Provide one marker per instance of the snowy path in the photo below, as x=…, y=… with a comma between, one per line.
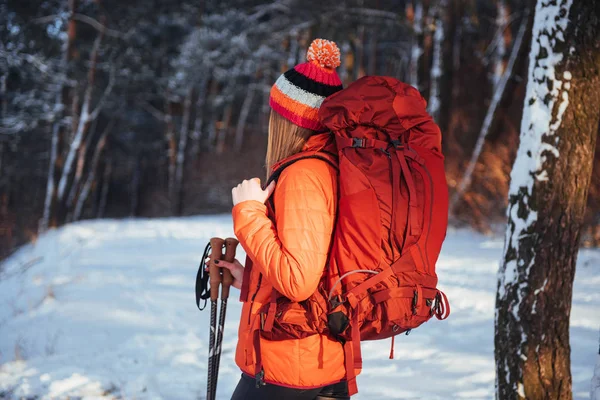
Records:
x=108, y=312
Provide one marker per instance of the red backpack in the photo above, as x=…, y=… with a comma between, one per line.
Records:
x=391, y=221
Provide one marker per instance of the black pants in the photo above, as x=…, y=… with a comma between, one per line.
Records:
x=246, y=390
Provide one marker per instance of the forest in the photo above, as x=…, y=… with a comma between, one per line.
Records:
x=125, y=113
x=110, y=111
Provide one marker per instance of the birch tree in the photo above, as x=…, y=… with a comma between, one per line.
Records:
x=436, y=66
x=547, y=198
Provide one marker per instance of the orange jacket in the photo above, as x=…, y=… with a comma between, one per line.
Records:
x=291, y=256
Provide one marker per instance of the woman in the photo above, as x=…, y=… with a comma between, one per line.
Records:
x=289, y=250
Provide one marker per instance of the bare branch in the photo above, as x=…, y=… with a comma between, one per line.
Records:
x=156, y=113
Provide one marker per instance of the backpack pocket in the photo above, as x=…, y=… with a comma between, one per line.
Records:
x=293, y=320
x=398, y=310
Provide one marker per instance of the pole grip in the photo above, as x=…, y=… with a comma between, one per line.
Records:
x=230, y=247
x=216, y=244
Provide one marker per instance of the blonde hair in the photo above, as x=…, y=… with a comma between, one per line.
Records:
x=285, y=139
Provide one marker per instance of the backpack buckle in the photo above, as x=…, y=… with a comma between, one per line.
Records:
x=260, y=378
x=335, y=302
x=358, y=142
x=398, y=145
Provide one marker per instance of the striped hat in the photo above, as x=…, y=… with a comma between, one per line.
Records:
x=298, y=93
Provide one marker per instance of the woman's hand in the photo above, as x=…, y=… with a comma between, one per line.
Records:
x=251, y=190
x=237, y=270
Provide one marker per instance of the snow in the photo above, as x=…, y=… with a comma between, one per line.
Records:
x=106, y=309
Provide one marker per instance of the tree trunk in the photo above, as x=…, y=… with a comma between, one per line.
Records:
x=135, y=186
x=84, y=120
x=81, y=162
x=85, y=191
x=360, y=52
x=181, y=150
x=224, y=129
x=199, y=118
x=436, y=70
x=171, y=155
x=50, y=200
x=105, y=188
x=595, y=392
x=416, y=47
x=241, y=125
x=547, y=198
x=500, y=42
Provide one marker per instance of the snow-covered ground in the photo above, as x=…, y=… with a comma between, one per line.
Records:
x=106, y=310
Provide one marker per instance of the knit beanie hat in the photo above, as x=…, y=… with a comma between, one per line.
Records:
x=299, y=92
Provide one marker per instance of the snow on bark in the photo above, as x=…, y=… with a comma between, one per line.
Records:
x=544, y=91
x=489, y=117
x=546, y=100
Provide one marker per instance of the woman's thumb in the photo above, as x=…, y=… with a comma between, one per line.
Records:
x=224, y=264
x=270, y=189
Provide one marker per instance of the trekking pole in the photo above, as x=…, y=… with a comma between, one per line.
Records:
x=214, y=272
x=226, y=282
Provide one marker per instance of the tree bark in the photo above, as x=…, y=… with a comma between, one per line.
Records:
x=547, y=199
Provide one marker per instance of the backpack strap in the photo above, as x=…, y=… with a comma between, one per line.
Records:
x=266, y=324
x=246, y=280
x=352, y=351
x=326, y=156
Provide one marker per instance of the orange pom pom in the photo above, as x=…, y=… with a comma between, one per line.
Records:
x=324, y=53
